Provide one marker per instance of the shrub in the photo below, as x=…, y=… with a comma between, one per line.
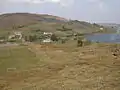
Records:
x=88, y=42
x=80, y=34
x=83, y=42
x=75, y=38
x=79, y=43
x=30, y=38
x=54, y=37
x=12, y=40
x=26, y=38
x=63, y=41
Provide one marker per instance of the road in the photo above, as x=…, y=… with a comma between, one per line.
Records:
x=8, y=44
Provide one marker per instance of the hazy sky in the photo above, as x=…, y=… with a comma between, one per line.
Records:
x=87, y=10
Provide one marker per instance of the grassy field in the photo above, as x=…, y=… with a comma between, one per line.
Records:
x=60, y=67
x=16, y=57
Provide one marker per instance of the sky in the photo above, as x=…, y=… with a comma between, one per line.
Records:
x=99, y=11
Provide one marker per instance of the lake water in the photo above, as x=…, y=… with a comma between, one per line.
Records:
x=108, y=38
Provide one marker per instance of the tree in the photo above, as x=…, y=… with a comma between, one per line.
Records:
x=63, y=41
x=32, y=38
x=79, y=43
x=54, y=37
x=26, y=38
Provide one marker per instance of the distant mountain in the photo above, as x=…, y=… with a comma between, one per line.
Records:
x=113, y=25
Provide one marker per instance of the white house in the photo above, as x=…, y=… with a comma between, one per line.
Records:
x=47, y=40
x=2, y=41
x=16, y=34
x=47, y=33
x=101, y=28
x=11, y=36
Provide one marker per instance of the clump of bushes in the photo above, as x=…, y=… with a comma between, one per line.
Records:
x=79, y=43
x=54, y=37
x=83, y=42
x=30, y=38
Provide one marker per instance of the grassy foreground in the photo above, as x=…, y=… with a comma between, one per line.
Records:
x=59, y=67
x=18, y=58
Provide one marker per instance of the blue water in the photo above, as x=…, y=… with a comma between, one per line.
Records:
x=108, y=38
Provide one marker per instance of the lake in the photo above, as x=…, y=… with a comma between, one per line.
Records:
x=108, y=38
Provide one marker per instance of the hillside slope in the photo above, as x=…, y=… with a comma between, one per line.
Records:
x=44, y=22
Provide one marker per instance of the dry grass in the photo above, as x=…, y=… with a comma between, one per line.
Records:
x=87, y=68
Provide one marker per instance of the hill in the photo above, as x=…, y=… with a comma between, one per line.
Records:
x=17, y=19
x=44, y=22
x=113, y=25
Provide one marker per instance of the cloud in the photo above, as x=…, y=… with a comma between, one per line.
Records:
x=93, y=0
x=60, y=2
x=34, y=1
